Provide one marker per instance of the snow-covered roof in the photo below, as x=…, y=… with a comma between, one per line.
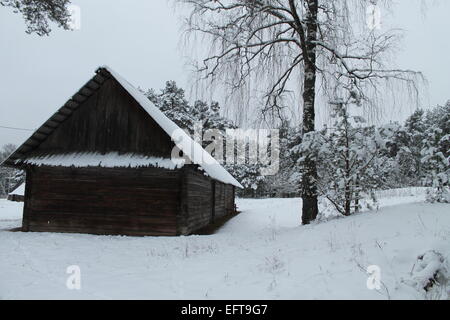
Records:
x=19, y=191
x=191, y=149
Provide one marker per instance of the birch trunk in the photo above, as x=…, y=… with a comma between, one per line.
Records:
x=309, y=181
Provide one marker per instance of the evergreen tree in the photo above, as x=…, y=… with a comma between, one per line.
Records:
x=349, y=156
x=38, y=13
x=436, y=154
x=171, y=100
x=286, y=182
x=409, y=141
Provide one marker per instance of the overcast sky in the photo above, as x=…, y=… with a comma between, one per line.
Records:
x=140, y=40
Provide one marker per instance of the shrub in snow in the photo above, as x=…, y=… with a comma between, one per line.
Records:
x=430, y=274
x=439, y=194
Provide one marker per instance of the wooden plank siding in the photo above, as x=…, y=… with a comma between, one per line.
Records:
x=199, y=200
x=219, y=200
x=207, y=200
x=123, y=201
x=134, y=202
x=224, y=200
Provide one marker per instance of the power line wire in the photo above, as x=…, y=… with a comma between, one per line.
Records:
x=13, y=128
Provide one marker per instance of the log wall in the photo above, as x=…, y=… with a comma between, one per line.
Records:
x=199, y=201
x=207, y=200
x=135, y=202
x=123, y=201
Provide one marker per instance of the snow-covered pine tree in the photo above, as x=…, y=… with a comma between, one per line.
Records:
x=39, y=15
x=249, y=175
x=172, y=101
x=287, y=181
x=409, y=142
x=436, y=154
x=349, y=157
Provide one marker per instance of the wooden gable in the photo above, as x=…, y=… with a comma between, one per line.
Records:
x=110, y=120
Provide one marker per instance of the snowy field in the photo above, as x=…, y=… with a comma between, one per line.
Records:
x=262, y=254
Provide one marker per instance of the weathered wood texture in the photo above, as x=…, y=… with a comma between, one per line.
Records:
x=123, y=201
x=133, y=202
x=223, y=203
x=110, y=120
x=199, y=200
x=207, y=200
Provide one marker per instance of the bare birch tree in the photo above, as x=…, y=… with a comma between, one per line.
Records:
x=277, y=43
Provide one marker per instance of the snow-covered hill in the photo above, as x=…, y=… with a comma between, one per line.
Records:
x=262, y=254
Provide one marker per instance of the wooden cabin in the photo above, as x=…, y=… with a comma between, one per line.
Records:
x=18, y=194
x=104, y=164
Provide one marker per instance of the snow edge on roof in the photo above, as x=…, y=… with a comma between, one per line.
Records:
x=107, y=160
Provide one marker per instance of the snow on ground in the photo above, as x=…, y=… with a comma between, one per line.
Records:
x=261, y=254
x=10, y=211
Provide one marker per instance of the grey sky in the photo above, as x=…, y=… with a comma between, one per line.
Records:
x=139, y=39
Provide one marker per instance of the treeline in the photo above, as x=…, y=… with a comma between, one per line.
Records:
x=9, y=178
x=354, y=159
